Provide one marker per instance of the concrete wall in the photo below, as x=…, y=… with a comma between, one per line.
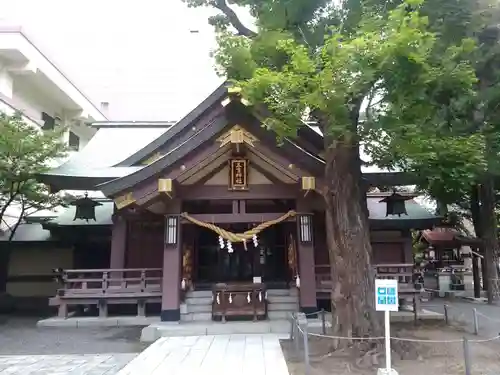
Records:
x=34, y=265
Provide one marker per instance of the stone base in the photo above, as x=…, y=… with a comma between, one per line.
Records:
x=383, y=371
x=83, y=322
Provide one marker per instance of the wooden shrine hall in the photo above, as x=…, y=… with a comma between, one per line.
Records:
x=213, y=205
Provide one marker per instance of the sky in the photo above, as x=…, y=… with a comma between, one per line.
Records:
x=140, y=56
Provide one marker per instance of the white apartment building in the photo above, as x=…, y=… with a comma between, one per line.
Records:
x=31, y=83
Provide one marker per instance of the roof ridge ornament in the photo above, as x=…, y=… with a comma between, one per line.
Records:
x=237, y=135
x=234, y=94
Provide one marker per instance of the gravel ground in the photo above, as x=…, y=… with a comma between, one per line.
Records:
x=444, y=357
x=26, y=349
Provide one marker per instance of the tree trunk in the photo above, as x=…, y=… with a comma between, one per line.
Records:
x=4, y=267
x=349, y=246
x=489, y=234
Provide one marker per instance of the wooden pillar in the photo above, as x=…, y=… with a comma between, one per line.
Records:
x=307, y=271
x=118, y=242
x=475, y=276
x=484, y=272
x=408, y=247
x=170, y=300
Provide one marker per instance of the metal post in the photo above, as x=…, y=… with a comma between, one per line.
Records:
x=476, y=323
x=323, y=322
x=446, y=314
x=306, y=349
x=292, y=326
x=387, y=318
x=296, y=336
x=466, y=357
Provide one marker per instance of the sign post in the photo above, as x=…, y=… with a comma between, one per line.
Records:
x=386, y=300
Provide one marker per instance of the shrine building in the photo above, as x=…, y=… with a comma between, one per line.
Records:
x=209, y=218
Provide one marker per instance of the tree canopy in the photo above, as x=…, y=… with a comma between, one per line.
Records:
x=368, y=73
x=26, y=151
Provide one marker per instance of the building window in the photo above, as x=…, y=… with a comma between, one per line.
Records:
x=74, y=141
x=49, y=122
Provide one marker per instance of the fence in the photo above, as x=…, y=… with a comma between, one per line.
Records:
x=426, y=348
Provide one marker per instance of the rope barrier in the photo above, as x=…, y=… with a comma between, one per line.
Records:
x=404, y=339
x=487, y=317
x=396, y=338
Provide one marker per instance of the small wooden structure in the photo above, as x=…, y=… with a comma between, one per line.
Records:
x=239, y=300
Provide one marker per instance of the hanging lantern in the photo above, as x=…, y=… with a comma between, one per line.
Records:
x=255, y=241
x=297, y=281
x=305, y=228
x=395, y=204
x=221, y=242
x=85, y=208
x=183, y=284
x=171, y=228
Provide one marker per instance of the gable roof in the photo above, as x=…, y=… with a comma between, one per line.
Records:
x=233, y=114
x=185, y=124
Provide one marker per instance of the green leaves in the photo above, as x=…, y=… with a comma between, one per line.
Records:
x=26, y=151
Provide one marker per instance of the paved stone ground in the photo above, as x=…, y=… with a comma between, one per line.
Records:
x=28, y=350
x=209, y=355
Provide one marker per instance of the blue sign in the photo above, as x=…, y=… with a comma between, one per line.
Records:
x=386, y=295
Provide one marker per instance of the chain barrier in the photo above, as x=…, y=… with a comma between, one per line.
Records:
x=301, y=335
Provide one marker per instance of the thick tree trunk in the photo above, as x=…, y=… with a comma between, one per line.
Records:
x=489, y=235
x=348, y=237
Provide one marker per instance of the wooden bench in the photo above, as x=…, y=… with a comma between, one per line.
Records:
x=102, y=287
x=239, y=300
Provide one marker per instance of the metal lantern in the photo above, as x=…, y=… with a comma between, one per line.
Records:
x=305, y=228
x=85, y=208
x=395, y=204
x=171, y=228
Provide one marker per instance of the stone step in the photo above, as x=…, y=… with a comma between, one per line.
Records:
x=199, y=300
x=282, y=299
x=199, y=308
x=282, y=307
x=199, y=294
x=278, y=315
x=282, y=292
x=196, y=317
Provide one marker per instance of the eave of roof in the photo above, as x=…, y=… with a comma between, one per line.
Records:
x=94, y=164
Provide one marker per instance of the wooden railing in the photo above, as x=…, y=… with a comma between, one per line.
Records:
x=110, y=281
x=108, y=286
x=403, y=272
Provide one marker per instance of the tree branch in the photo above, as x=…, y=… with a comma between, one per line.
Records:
x=233, y=19
x=18, y=222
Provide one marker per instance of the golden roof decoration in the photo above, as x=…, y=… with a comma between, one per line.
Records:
x=237, y=135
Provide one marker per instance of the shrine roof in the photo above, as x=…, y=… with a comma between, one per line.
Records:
x=103, y=216
x=418, y=216
x=28, y=233
x=95, y=163
x=448, y=237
